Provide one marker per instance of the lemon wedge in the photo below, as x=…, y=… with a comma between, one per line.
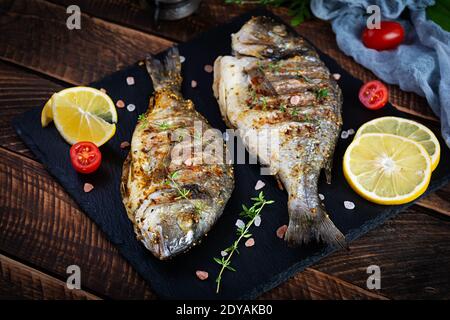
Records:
x=82, y=114
x=47, y=114
x=408, y=129
x=387, y=169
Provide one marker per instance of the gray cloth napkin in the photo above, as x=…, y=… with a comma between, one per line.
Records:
x=421, y=64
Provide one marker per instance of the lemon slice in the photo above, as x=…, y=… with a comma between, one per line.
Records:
x=386, y=168
x=84, y=114
x=408, y=129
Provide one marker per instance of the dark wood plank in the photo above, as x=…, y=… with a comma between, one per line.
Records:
x=130, y=13
x=315, y=285
x=20, y=91
x=19, y=281
x=438, y=201
x=213, y=12
x=412, y=251
x=41, y=224
x=34, y=34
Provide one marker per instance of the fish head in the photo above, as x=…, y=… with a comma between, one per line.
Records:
x=263, y=37
x=171, y=228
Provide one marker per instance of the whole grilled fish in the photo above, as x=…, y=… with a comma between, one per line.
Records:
x=276, y=82
x=174, y=184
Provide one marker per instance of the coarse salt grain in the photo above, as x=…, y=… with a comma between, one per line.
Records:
x=194, y=84
x=351, y=131
x=202, y=275
x=208, y=68
x=250, y=242
x=88, y=187
x=349, y=205
x=103, y=90
x=240, y=223
x=321, y=197
x=344, y=134
x=336, y=76
x=281, y=231
x=131, y=107
x=223, y=253
x=120, y=104
x=295, y=100
x=257, y=221
x=182, y=59
x=130, y=81
x=124, y=145
x=259, y=185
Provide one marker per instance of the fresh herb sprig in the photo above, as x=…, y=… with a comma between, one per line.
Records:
x=183, y=193
x=322, y=93
x=251, y=214
x=164, y=126
x=143, y=119
x=298, y=9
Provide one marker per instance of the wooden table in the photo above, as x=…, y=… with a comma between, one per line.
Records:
x=42, y=231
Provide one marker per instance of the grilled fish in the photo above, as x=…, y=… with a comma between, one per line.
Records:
x=174, y=183
x=276, y=81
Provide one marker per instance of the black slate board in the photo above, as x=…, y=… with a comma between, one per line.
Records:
x=261, y=267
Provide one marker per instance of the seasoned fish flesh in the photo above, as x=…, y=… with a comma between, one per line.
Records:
x=174, y=183
x=276, y=83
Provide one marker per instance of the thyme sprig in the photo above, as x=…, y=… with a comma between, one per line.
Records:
x=322, y=93
x=251, y=214
x=164, y=126
x=183, y=193
x=143, y=119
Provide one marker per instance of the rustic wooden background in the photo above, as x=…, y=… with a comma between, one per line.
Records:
x=42, y=231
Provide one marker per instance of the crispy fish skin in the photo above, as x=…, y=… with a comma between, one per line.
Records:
x=276, y=81
x=173, y=194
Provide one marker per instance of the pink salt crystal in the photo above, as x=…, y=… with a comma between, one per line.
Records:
x=281, y=231
x=120, y=104
x=88, y=187
x=295, y=100
x=209, y=68
x=250, y=242
x=202, y=275
x=124, y=145
x=130, y=81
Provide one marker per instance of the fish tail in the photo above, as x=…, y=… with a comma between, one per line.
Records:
x=165, y=74
x=312, y=224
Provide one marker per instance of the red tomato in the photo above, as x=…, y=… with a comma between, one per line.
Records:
x=85, y=157
x=373, y=95
x=389, y=36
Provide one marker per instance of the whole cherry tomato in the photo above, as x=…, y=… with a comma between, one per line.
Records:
x=389, y=36
x=85, y=157
x=373, y=95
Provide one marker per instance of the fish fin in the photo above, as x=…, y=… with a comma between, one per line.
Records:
x=303, y=227
x=165, y=74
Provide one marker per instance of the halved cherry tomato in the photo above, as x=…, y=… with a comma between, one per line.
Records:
x=85, y=157
x=389, y=36
x=373, y=95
